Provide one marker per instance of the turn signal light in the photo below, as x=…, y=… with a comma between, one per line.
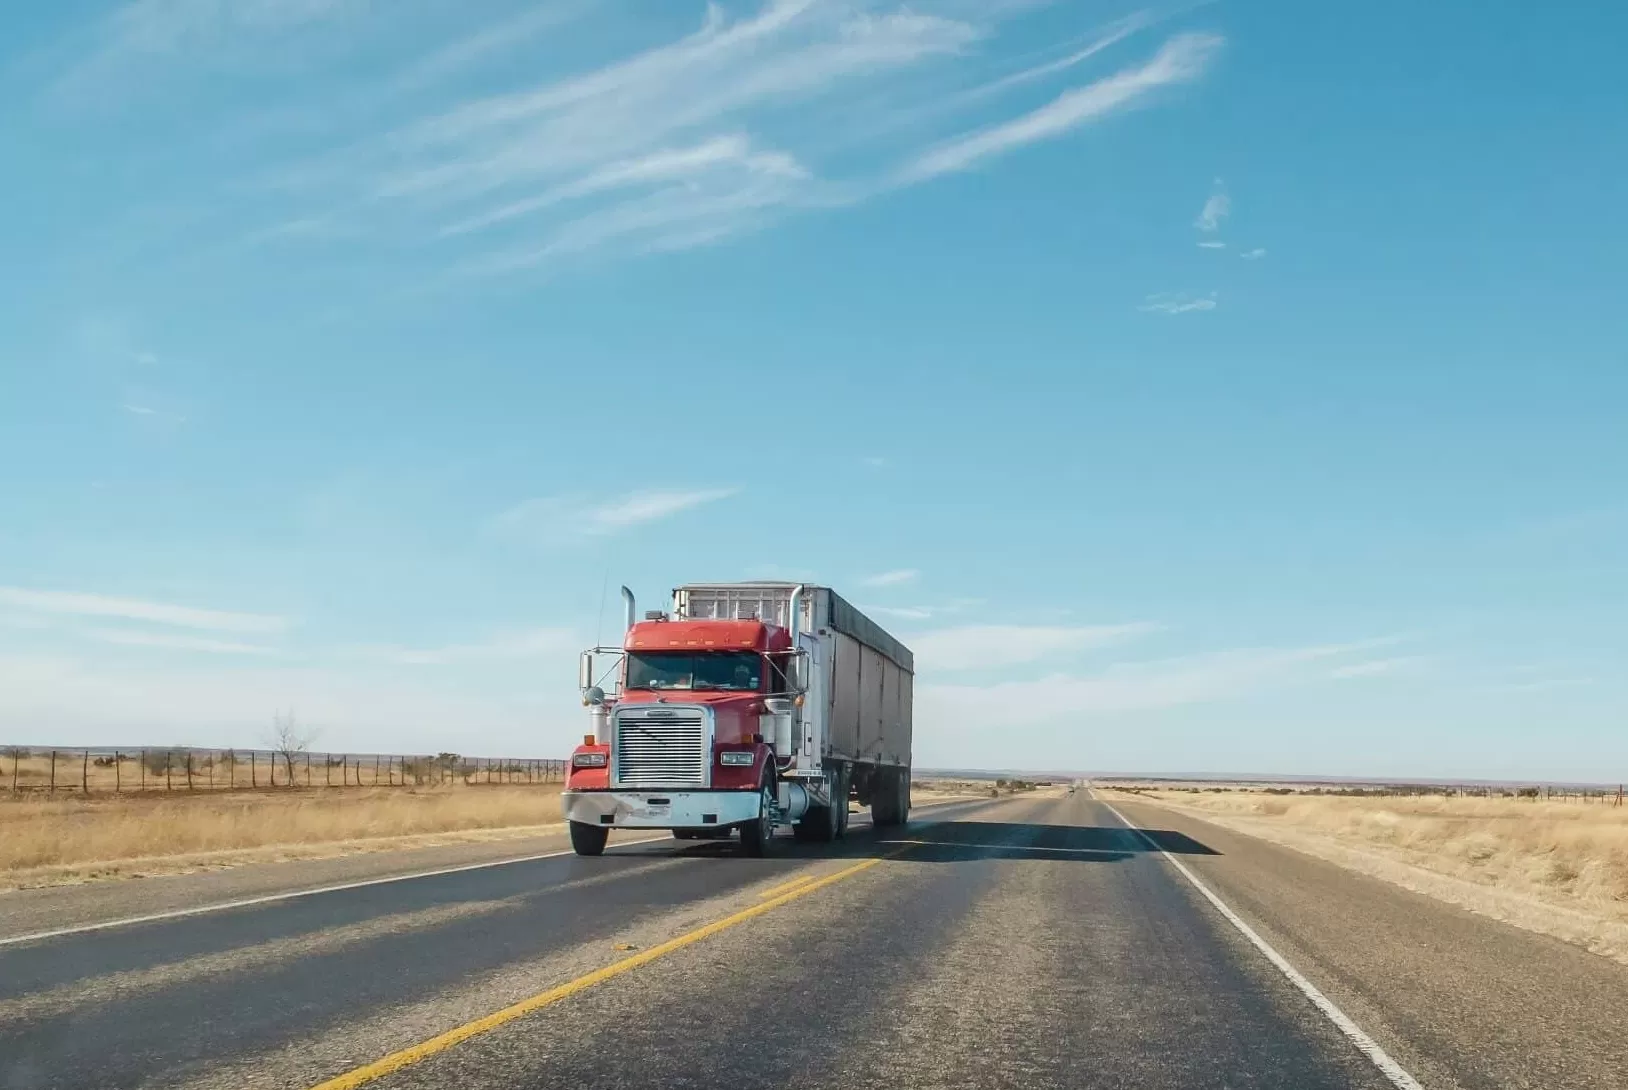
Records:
x=589, y=760
x=736, y=757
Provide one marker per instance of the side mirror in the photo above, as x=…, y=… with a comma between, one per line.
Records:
x=585, y=671
x=797, y=671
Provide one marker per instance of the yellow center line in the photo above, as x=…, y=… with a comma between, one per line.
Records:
x=406, y=1057
x=775, y=891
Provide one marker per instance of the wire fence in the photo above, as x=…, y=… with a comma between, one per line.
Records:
x=1603, y=794
x=58, y=770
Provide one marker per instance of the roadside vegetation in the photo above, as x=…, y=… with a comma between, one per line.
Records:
x=1555, y=866
x=53, y=839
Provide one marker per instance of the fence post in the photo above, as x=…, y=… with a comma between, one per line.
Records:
x=118, y=777
x=141, y=771
x=169, y=770
x=212, y=771
x=189, y=770
x=16, y=759
x=84, y=774
x=307, y=771
x=327, y=771
x=53, y=788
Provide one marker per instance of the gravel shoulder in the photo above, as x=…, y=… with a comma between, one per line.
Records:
x=1461, y=1000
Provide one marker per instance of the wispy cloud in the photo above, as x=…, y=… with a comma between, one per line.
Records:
x=139, y=410
x=1181, y=60
x=562, y=518
x=875, y=461
x=1254, y=255
x=1217, y=208
x=135, y=638
x=531, y=643
x=141, y=37
x=995, y=645
x=77, y=604
x=1377, y=667
x=1130, y=687
x=925, y=612
x=890, y=578
x=695, y=139
x=1212, y=244
x=482, y=44
x=1541, y=685
x=1177, y=303
x=903, y=613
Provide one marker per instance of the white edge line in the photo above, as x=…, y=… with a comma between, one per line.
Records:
x=1369, y=1047
x=272, y=898
x=290, y=895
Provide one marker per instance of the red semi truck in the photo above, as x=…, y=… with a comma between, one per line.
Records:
x=747, y=706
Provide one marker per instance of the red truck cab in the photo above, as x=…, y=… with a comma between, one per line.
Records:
x=687, y=742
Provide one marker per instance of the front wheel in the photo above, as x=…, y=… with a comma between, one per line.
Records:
x=588, y=839
x=756, y=835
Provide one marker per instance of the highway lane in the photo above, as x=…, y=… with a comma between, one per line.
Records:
x=1029, y=943
x=1459, y=999
x=1042, y=945
x=163, y=1002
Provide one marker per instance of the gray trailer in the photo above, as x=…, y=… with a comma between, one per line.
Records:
x=853, y=729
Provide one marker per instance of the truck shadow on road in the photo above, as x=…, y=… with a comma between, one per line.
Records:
x=962, y=841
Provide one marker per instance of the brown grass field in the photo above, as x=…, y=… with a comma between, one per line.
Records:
x=47, y=840
x=69, y=837
x=1556, y=867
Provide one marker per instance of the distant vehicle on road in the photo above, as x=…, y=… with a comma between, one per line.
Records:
x=747, y=707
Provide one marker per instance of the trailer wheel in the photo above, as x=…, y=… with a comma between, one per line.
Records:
x=588, y=839
x=844, y=783
x=756, y=835
x=890, y=799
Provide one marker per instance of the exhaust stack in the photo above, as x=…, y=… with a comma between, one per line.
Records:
x=629, y=608
x=794, y=613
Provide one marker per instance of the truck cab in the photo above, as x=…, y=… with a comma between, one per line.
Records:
x=708, y=727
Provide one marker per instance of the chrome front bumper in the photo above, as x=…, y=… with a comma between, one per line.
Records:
x=641, y=810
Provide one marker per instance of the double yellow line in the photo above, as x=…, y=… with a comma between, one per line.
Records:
x=773, y=898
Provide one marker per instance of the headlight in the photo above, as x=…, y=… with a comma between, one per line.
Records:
x=736, y=757
x=590, y=760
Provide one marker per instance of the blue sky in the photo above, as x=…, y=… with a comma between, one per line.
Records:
x=1225, y=387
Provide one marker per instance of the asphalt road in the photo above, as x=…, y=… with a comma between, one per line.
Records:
x=1028, y=943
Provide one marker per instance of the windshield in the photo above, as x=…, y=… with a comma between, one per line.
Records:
x=737, y=670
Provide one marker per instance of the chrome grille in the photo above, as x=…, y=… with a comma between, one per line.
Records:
x=662, y=747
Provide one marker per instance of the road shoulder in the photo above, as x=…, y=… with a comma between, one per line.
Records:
x=1460, y=1000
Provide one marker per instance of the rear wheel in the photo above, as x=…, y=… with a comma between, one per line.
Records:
x=588, y=839
x=890, y=798
x=844, y=783
x=756, y=835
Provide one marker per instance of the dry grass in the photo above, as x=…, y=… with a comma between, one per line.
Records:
x=55, y=839
x=1556, y=867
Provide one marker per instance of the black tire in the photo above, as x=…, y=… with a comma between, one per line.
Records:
x=844, y=783
x=811, y=829
x=685, y=834
x=757, y=835
x=588, y=839
x=890, y=799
